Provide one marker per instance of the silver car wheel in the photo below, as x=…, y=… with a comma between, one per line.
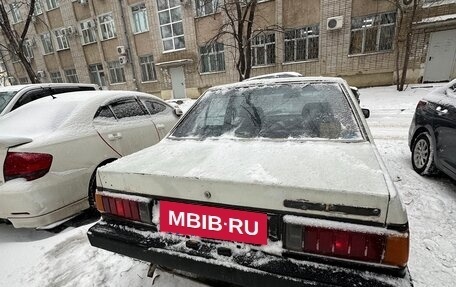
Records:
x=421, y=153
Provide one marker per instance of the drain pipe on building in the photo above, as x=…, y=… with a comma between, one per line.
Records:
x=127, y=38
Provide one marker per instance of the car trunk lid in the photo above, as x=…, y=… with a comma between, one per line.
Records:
x=321, y=178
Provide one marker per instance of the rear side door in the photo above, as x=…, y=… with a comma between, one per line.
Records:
x=126, y=126
x=162, y=115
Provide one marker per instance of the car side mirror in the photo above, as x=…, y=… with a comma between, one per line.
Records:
x=366, y=113
x=178, y=112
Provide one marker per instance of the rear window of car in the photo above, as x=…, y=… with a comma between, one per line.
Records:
x=285, y=111
x=5, y=98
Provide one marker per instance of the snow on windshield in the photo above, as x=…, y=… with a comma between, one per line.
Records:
x=312, y=110
x=5, y=98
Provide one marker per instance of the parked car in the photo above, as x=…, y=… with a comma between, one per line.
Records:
x=432, y=134
x=12, y=97
x=51, y=148
x=262, y=183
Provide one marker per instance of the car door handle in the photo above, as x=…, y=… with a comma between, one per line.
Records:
x=160, y=126
x=115, y=136
x=440, y=111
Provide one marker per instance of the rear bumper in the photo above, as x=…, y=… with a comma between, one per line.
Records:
x=30, y=204
x=245, y=267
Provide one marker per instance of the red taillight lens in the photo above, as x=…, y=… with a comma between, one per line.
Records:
x=344, y=244
x=26, y=165
x=134, y=207
x=389, y=248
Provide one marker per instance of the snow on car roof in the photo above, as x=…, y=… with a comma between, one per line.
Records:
x=20, y=87
x=275, y=75
x=69, y=110
x=270, y=81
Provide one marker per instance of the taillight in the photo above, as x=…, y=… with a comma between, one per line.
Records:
x=26, y=165
x=348, y=241
x=131, y=207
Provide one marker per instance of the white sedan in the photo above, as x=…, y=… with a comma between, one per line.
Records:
x=51, y=148
x=262, y=183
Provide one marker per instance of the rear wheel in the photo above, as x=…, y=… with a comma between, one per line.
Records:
x=92, y=189
x=423, y=154
x=93, y=184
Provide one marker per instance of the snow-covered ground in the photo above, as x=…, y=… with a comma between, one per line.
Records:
x=40, y=258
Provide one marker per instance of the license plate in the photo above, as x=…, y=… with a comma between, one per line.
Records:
x=213, y=222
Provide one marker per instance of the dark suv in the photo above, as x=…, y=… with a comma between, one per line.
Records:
x=432, y=134
x=12, y=97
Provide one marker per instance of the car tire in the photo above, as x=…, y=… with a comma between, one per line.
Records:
x=92, y=189
x=423, y=155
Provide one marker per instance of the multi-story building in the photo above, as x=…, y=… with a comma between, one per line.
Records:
x=159, y=46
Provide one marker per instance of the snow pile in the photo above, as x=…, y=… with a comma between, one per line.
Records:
x=39, y=258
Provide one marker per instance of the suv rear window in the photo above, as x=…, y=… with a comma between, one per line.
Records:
x=295, y=111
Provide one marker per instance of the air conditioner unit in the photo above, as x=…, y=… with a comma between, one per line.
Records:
x=83, y=2
x=335, y=23
x=121, y=50
x=41, y=74
x=406, y=3
x=123, y=60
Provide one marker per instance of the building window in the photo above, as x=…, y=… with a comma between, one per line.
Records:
x=107, y=27
x=38, y=8
x=52, y=4
x=97, y=75
x=28, y=48
x=302, y=44
x=62, y=40
x=71, y=76
x=56, y=77
x=139, y=17
x=147, y=68
x=171, y=27
x=212, y=58
x=88, y=34
x=205, y=7
x=374, y=33
x=15, y=12
x=47, y=43
x=24, y=80
x=263, y=50
x=116, y=72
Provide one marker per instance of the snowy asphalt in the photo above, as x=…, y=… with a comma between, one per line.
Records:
x=40, y=258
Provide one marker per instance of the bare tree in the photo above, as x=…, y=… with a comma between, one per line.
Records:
x=238, y=31
x=404, y=36
x=16, y=44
